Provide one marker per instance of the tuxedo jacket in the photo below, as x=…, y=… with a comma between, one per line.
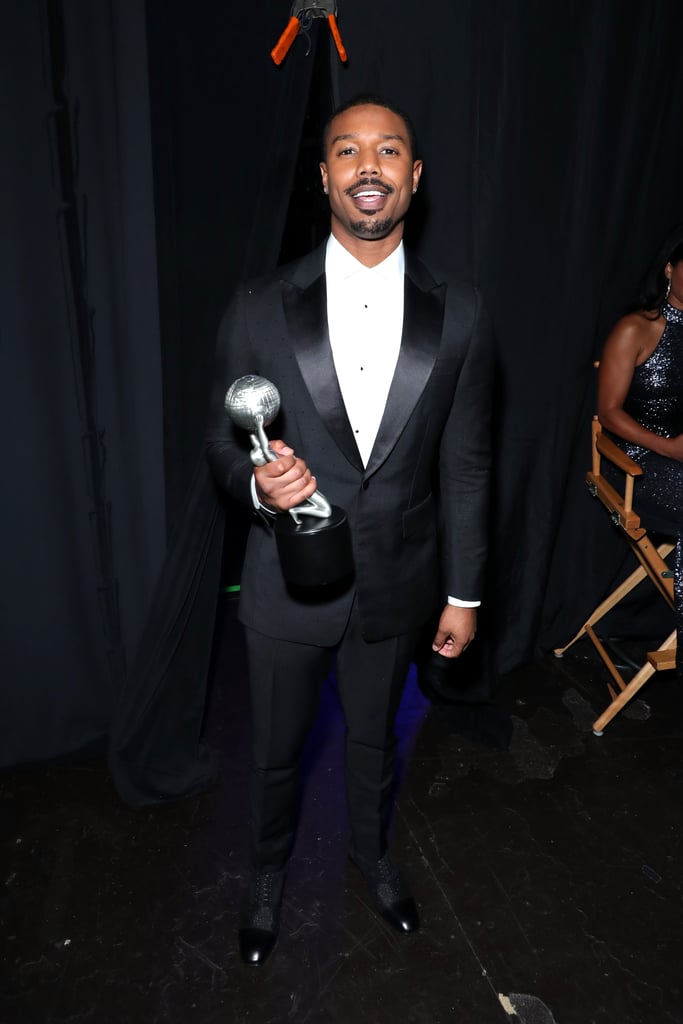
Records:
x=418, y=511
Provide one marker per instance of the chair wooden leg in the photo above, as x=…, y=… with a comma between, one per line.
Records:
x=636, y=577
x=607, y=661
x=652, y=559
x=631, y=688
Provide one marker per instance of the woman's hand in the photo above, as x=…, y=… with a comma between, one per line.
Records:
x=672, y=447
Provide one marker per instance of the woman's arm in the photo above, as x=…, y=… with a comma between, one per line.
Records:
x=631, y=341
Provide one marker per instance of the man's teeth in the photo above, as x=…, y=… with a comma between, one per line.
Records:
x=363, y=195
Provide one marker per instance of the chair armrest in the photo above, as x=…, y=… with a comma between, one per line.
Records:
x=613, y=452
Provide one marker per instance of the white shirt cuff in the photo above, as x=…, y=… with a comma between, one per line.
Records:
x=463, y=604
x=256, y=503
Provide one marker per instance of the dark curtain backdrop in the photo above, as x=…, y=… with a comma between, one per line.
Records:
x=553, y=153
x=225, y=127
x=82, y=511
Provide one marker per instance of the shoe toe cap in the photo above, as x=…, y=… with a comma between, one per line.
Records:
x=402, y=915
x=255, y=945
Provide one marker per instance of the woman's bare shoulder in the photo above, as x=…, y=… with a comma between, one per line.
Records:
x=636, y=333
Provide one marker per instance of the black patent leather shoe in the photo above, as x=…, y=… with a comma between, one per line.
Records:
x=260, y=917
x=390, y=894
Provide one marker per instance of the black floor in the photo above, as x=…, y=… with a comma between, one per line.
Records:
x=548, y=876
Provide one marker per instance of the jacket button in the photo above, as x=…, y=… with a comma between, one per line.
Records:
x=365, y=485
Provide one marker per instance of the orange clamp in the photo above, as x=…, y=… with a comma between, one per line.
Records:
x=337, y=38
x=281, y=48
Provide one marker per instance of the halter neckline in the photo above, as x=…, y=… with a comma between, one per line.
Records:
x=672, y=314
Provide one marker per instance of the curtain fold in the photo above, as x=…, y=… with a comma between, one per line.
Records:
x=227, y=134
x=156, y=749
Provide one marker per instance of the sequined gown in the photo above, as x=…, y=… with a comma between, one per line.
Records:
x=655, y=400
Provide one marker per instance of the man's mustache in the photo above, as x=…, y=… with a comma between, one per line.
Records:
x=369, y=183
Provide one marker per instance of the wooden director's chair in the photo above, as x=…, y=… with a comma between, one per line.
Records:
x=652, y=566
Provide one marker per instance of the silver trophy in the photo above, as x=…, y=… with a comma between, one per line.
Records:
x=311, y=554
x=253, y=403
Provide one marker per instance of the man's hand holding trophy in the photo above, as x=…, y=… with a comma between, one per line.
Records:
x=313, y=538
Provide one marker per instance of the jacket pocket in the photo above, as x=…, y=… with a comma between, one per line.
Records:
x=419, y=518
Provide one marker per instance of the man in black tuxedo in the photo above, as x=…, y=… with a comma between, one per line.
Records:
x=385, y=377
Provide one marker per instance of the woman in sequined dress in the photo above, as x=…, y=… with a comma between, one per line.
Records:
x=640, y=400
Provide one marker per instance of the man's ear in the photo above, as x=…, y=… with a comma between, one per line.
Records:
x=323, y=175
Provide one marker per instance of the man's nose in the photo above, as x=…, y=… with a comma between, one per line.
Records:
x=368, y=163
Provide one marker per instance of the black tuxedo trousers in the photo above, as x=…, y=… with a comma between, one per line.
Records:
x=286, y=679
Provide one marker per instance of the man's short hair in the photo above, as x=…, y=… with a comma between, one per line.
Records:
x=372, y=100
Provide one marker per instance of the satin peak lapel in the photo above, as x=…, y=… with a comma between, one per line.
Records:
x=422, y=325
x=306, y=315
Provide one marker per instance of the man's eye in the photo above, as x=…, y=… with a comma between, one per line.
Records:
x=346, y=152
x=390, y=150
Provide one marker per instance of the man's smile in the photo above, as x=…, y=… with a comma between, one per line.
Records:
x=369, y=196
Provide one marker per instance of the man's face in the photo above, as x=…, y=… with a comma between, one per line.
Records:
x=369, y=173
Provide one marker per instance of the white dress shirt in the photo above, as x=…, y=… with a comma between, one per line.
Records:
x=365, y=321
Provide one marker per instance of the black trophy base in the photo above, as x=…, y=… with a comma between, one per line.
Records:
x=316, y=552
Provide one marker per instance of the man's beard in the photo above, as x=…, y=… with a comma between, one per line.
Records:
x=372, y=228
